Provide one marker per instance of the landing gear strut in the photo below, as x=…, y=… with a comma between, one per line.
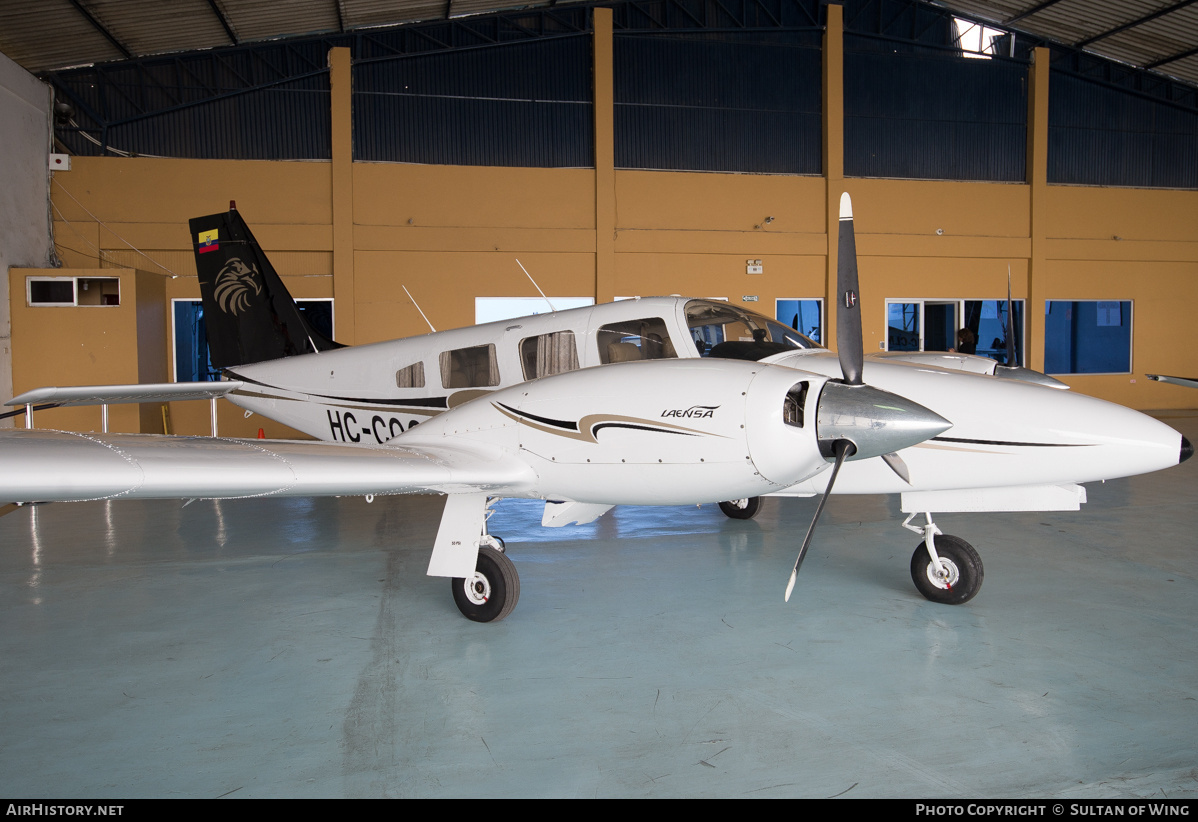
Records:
x=492, y=593
x=944, y=568
x=741, y=508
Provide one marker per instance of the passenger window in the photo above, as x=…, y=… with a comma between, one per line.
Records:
x=410, y=377
x=548, y=354
x=469, y=367
x=645, y=339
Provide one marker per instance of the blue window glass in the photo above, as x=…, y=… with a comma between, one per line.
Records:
x=1087, y=337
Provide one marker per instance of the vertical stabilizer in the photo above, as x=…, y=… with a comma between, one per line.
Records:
x=248, y=312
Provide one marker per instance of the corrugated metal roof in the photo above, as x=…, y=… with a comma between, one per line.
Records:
x=1161, y=35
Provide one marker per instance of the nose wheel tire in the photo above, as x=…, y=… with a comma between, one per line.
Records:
x=493, y=591
x=741, y=508
x=961, y=562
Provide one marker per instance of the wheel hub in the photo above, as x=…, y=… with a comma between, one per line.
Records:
x=946, y=580
x=477, y=588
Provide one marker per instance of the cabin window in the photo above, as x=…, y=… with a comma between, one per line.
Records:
x=473, y=367
x=548, y=354
x=72, y=291
x=728, y=332
x=410, y=377
x=645, y=339
x=1087, y=337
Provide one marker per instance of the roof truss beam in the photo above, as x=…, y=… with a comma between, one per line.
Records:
x=1132, y=24
x=100, y=27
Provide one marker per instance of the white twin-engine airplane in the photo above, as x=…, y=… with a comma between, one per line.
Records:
x=663, y=401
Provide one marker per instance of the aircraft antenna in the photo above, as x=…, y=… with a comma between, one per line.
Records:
x=534, y=284
x=418, y=308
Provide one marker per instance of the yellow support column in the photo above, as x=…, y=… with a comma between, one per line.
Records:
x=833, y=151
x=605, y=160
x=1037, y=178
x=341, y=84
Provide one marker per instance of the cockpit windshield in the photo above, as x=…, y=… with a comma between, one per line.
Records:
x=728, y=332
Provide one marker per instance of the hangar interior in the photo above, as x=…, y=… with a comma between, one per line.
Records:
x=277, y=648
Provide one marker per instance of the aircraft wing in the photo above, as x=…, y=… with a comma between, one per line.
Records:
x=43, y=466
x=116, y=394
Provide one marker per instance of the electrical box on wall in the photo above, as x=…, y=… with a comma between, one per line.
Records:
x=754, y=267
x=60, y=162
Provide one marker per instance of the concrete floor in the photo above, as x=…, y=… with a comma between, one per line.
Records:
x=295, y=648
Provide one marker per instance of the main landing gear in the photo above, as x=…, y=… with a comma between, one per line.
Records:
x=944, y=568
x=492, y=593
x=741, y=508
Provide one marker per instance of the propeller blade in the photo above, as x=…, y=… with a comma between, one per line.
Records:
x=897, y=466
x=843, y=449
x=848, y=313
x=1011, y=355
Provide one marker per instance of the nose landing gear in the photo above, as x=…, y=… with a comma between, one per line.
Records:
x=944, y=568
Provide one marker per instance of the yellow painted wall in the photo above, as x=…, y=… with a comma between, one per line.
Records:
x=675, y=233
x=358, y=232
x=90, y=345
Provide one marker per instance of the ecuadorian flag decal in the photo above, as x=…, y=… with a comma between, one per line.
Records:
x=208, y=241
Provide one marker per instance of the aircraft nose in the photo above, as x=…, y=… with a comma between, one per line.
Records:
x=1187, y=450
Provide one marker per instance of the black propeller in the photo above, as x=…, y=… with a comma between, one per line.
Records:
x=843, y=449
x=848, y=313
x=855, y=420
x=1013, y=369
x=1012, y=361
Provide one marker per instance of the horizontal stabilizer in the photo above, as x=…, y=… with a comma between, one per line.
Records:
x=117, y=394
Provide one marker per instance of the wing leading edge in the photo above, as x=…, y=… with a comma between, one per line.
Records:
x=44, y=466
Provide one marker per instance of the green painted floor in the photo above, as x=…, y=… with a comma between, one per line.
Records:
x=295, y=648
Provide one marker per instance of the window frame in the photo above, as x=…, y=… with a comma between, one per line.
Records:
x=819, y=301
x=1131, y=338
x=959, y=303
x=74, y=281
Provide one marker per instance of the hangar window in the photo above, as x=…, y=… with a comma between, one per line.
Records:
x=493, y=309
x=1087, y=337
x=473, y=367
x=804, y=316
x=548, y=354
x=189, y=337
x=71, y=291
x=932, y=325
x=410, y=377
x=645, y=339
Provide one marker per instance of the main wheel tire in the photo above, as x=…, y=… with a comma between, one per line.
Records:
x=741, y=508
x=964, y=567
x=493, y=591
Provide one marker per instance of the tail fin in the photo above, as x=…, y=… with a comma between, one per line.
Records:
x=248, y=312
